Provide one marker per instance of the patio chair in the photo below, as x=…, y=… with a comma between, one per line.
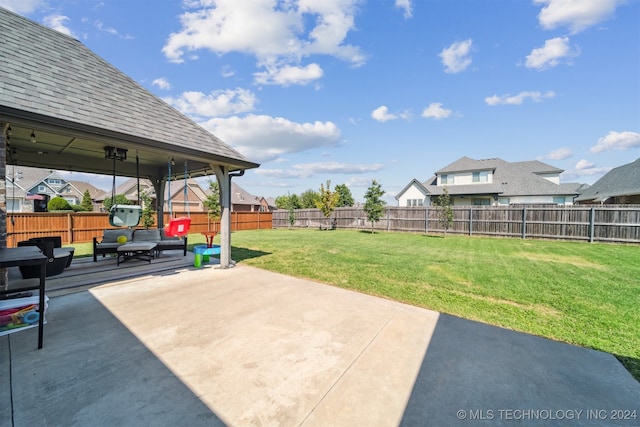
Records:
x=57, y=260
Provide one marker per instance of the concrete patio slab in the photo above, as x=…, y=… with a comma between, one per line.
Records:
x=244, y=346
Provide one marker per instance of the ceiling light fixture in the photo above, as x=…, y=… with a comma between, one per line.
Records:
x=115, y=153
x=33, y=136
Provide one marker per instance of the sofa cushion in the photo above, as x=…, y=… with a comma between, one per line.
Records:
x=147, y=235
x=111, y=235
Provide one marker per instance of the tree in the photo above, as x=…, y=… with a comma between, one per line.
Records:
x=120, y=199
x=87, y=202
x=309, y=199
x=58, y=204
x=292, y=211
x=374, y=206
x=212, y=202
x=444, y=210
x=328, y=200
x=286, y=202
x=148, y=213
x=282, y=202
x=345, y=198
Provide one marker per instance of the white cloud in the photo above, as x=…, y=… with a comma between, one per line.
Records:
x=617, y=141
x=550, y=54
x=584, y=164
x=99, y=25
x=307, y=170
x=405, y=5
x=359, y=181
x=585, y=168
x=519, y=98
x=22, y=7
x=575, y=14
x=559, y=154
x=217, y=103
x=381, y=114
x=227, y=71
x=162, y=83
x=436, y=111
x=57, y=22
x=275, y=33
x=264, y=138
x=288, y=75
x=455, y=58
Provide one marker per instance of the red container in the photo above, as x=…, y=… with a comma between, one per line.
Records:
x=178, y=227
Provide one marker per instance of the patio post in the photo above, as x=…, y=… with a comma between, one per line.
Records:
x=224, y=183
x=159, y=185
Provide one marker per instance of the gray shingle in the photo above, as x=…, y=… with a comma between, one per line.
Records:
x=621, y=181
x=49, y=73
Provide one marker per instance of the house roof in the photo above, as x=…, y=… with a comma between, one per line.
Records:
x=83, y=186
x=509, y=179
x=239, y=196
x=621, y=181
x=76, y=103
x=414, y=183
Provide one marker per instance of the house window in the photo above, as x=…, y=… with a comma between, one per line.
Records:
x=54, y=181
x=41, y=188
x=446, y=179
x=558, y=200
x=481, y=176
x=481, y=202
x=503, y=201
x=414, y=202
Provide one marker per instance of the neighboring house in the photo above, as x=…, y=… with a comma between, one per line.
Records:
x=492, y=182
x=242, y=201
x=34, y=187
x=174, y=194
x=271, y=202
x=620, y=185
x=94, y=193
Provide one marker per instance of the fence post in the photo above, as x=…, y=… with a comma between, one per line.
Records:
x=388, y=219
x=470, y=220
x=426, y=219
x=592, y=219
x=524, y=222
x=70, y=227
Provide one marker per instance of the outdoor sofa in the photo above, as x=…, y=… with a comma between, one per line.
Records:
x=109, y=243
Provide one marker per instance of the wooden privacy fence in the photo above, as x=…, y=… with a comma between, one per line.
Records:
x=608, y=223
x=84, y=226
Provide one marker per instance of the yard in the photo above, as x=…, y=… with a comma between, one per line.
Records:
x=580, y=293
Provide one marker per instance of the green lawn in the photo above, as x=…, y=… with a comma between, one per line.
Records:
x=580, y=293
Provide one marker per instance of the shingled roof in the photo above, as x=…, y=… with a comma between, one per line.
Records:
x=509, y=179
x=76, y=103
x=621, y=181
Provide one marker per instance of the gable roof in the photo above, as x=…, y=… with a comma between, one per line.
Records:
x=82, y=186
x=76, y=103
x=509, y=179
x=239, y=196
x=414, y=183
x=621, y=181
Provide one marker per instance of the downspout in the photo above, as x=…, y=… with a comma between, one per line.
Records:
x=224, y=179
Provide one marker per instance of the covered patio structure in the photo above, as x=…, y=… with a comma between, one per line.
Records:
x=64, y=107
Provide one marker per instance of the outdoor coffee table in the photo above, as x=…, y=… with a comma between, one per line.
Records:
x=140, y=250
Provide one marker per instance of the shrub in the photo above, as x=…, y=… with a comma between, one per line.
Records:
x=58, y=204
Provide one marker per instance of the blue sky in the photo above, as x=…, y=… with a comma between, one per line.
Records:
x=354, y=90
